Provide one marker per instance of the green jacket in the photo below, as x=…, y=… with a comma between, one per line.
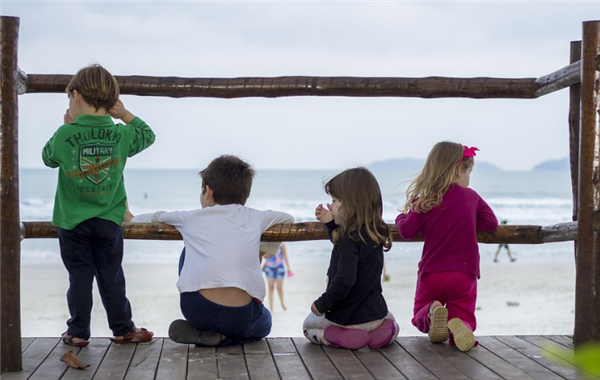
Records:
x=91, y=154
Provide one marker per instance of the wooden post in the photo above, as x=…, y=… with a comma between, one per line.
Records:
x=587, y=286
x=10, y=243
x=574, y=109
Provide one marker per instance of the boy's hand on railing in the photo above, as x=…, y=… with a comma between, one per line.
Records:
x=128, y=215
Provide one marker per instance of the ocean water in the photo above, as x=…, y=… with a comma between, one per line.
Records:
x=530, y=198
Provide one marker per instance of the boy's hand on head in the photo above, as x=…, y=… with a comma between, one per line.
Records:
x=118, y=111
x=67, y=118
x=323, y=215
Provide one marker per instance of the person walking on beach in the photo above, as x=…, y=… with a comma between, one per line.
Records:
x=275, y=268
x=352, y=312
x=90, y=152
x=441, y=206
x=220, y=280
x=500, y=246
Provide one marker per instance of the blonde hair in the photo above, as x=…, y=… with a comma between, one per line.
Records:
x=443, y=164
x=96, y=85
x=362, y=206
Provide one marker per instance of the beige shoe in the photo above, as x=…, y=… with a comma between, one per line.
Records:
x=438, y=325
x=463, y=337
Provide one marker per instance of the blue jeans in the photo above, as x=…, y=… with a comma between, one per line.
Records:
x=95, y=249
x=240, y=325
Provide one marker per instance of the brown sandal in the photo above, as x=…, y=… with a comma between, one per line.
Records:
x=136, y=336
x=68, y=339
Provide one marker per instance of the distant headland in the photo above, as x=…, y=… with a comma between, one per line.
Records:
x=415, y=164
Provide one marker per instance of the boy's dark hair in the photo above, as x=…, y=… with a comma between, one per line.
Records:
x=230, y=179
x=96, y=85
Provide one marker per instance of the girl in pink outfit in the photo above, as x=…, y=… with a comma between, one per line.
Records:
x=448, y=214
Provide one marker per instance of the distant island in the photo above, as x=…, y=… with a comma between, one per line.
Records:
x=415, y=164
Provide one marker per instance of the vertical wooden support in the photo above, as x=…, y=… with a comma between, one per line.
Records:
x=10, y=243
x=574, y=110
x=587, y=287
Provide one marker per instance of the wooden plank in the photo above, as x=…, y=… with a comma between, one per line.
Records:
x=116, y=362
x=259, y=362
x=33, y=358
x=145, y=361
x=565, y=340
x=492, y=360
x=92, y=355
x=377, y=365
x=464, y=363
x=287, y=359
x=564, y=366
x=52, y=368
x=424, y=353
x=173, y=361
x=316, y=361
x=202, y=363
x=502, y=347
x=25, y=342
x=405, y=363
x=347, y=363
x=231, y=363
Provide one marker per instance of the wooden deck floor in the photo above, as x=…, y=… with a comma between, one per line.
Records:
x=497, y=357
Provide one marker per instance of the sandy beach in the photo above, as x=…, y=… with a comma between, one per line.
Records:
x=513, y=298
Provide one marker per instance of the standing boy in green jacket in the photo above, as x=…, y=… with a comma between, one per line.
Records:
x=90, y=151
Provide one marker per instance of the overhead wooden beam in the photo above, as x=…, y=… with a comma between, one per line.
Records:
x=10, y=244
x=509, y=234
x=587, y=282
x=176, y=87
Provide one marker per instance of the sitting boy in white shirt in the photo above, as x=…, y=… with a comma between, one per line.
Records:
x=220, y=280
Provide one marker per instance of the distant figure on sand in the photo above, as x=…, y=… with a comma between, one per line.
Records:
x=440, y=205
x=275, y=268
x=90, y=151
x=507, y=249
x=352, y=312
x=220, y=280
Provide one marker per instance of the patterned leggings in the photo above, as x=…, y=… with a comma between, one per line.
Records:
x=314, y=327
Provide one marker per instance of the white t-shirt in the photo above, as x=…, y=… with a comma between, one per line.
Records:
x=222, y=245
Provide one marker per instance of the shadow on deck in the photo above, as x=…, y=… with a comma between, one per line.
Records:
x=497, y=357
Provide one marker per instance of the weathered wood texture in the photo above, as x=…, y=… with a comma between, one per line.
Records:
x=10, y=252
x=513, y=234
x=429, y=87
x=413, y=358
x=587, y=288
x=574, y=108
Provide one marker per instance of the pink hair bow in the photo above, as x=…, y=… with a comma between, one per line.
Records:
x=469, y=152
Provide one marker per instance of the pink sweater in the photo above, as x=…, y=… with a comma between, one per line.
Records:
x=450, y=231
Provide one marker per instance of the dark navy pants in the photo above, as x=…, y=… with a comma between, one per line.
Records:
x=95, y=249
x=240, y=325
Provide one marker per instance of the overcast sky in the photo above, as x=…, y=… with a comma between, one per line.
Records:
x=370, y=39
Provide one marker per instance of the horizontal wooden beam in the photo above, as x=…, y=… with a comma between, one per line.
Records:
x=509, y=234
x=273, y=87
x=566, y=77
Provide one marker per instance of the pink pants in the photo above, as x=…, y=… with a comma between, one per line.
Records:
x=455, y=290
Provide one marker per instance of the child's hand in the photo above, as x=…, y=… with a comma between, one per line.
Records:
x=67, y=118
x=128, y=215
x=118, y=111
x=314, y=310
x=323, y=215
